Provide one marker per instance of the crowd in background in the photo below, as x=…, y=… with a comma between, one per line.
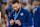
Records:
x=6, y=9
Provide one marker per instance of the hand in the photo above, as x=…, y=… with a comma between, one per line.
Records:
x=12, y=22
x=18, y=22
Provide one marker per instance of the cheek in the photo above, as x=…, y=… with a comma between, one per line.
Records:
x=12, y=6
x=2, y=5
x=18, y=6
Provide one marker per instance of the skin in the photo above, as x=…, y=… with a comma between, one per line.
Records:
x=18, y=22
x=2, y=6
x=16, y=7
x=11, y=22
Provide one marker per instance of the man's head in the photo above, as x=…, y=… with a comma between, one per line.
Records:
x=3, y=4
x=15, y=5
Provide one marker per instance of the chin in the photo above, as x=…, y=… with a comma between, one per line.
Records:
x=16, y=9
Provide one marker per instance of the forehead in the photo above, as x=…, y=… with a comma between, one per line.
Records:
x=3, y=4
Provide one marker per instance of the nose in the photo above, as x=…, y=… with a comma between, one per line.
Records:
x=15, y=6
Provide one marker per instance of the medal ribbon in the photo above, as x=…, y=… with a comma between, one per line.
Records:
x=16, y=14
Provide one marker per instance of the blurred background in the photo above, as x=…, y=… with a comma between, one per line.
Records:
x=6, y=9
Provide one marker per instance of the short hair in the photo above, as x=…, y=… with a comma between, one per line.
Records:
x=3, y=3
x=15, y=1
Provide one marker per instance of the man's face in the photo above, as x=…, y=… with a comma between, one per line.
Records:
x=3, y=5
x=16, y=6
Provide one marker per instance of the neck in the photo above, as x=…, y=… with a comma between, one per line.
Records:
x=17, y=10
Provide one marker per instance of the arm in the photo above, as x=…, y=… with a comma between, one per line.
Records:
x=35, y=20
x=28, y=20
x=10, y=17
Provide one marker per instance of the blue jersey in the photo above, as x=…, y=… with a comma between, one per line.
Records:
x=24, y=17
x=37, y=17
x=9, y=8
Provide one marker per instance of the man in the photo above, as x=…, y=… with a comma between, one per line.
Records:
x=37, y=17
x=19, y=17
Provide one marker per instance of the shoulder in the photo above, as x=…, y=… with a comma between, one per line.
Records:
x=26, y=11
x=12, y=13
x=38, y=7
